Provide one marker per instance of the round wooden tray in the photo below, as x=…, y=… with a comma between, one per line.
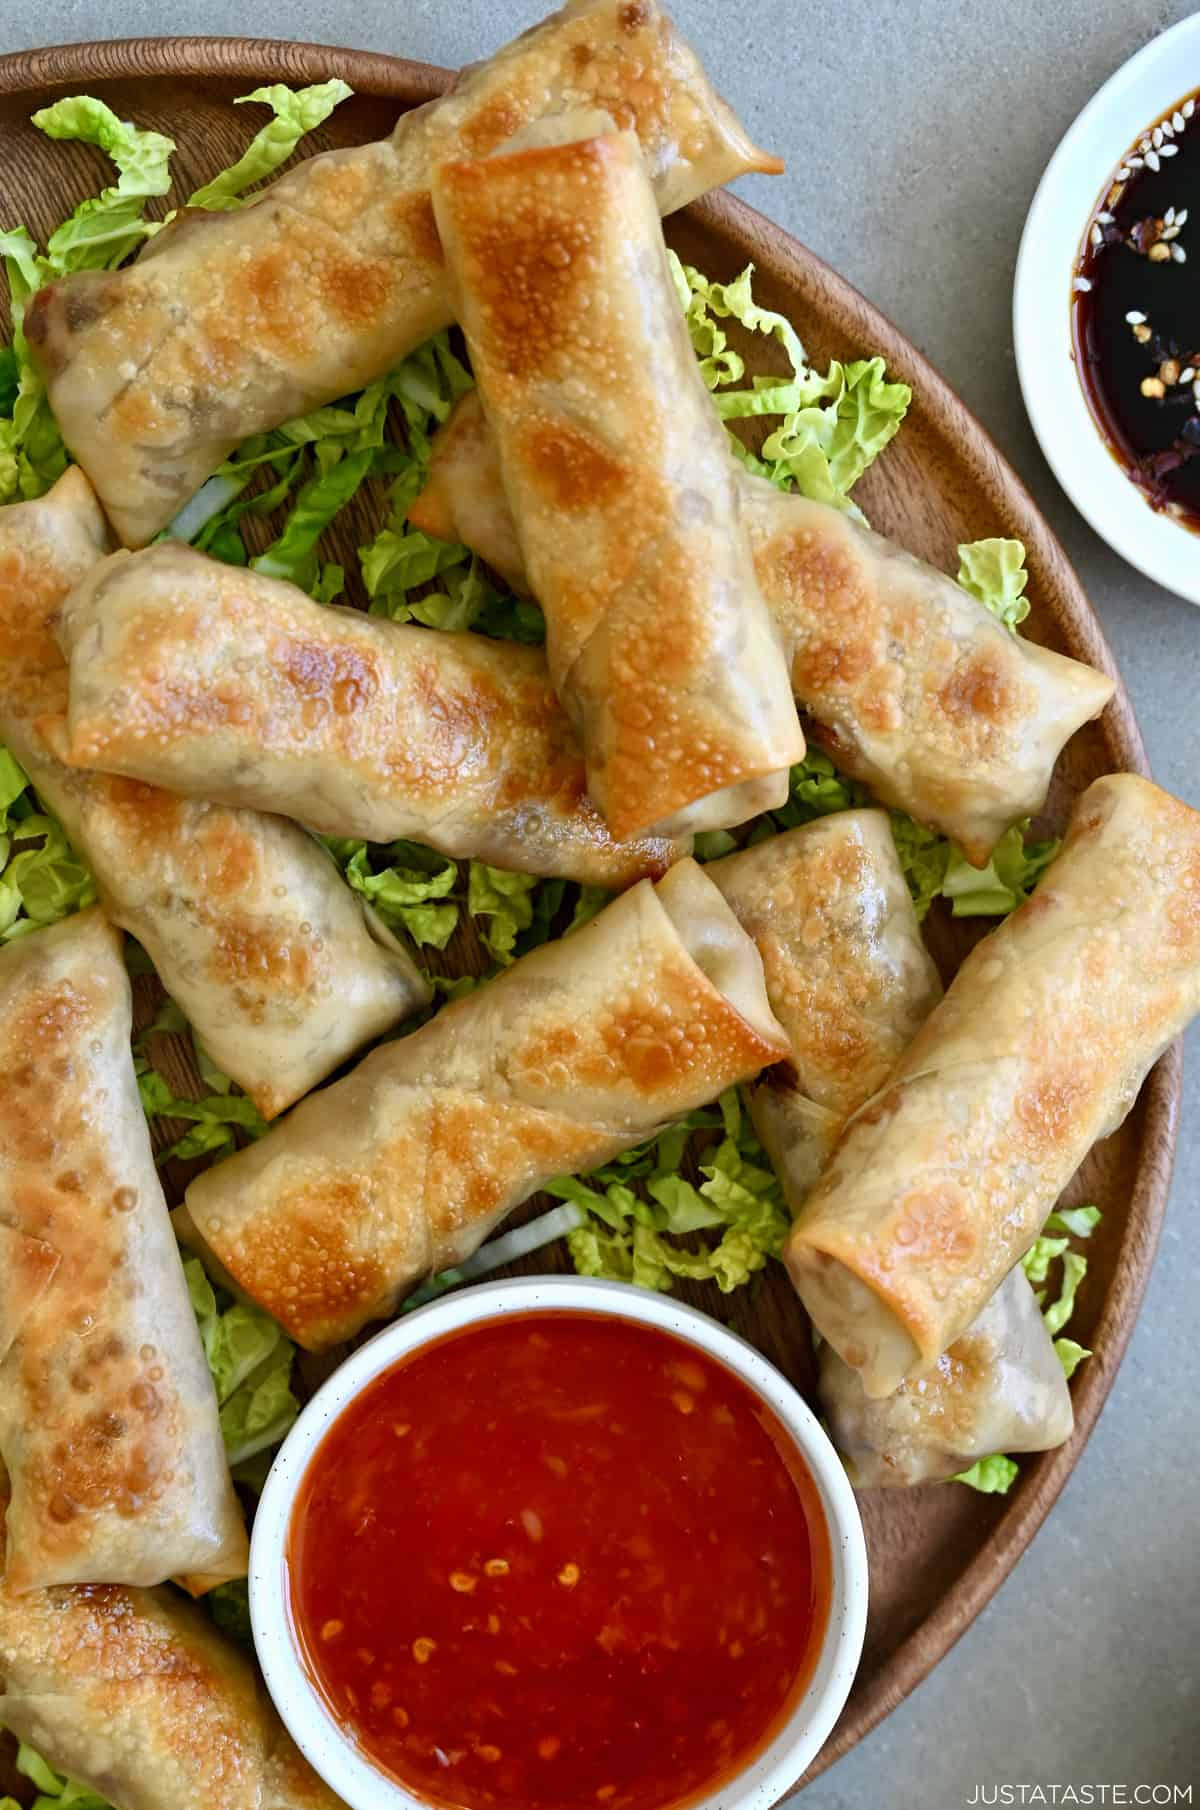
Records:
x=937, y=1554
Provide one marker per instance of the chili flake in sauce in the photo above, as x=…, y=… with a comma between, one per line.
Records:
x=559, y=1559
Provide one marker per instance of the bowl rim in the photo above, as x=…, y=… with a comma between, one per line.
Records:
x=1137, y=94
x=310, y=1722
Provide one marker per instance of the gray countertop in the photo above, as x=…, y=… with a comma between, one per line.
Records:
x=915, y=135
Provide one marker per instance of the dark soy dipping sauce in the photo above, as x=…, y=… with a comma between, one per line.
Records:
x=1135, y=269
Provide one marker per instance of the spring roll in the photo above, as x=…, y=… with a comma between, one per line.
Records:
x=579, y=1050
x=999, y=1388
x=223, y=684
x=280, y=968
x=108, y=1419
x=622, y=488
x=850, y=981
x=942, y=1182
x=135, y=1694
x=909, y=681
x=848, y=977
x=230, y=323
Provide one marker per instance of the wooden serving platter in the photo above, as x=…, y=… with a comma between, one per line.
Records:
x=937, y=1554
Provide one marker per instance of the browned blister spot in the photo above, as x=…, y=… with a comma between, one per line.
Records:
x=1048, y=1109
x=340, y=675
x=303, y=1262
x=416, y=228
x=933, y=1225
x=527, y=243
x=980, y=689
x=570, y=467
x=147, y=812
x=248, y=954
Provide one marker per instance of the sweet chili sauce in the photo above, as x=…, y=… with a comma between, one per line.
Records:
x=559, y=1559
x=1136, y=313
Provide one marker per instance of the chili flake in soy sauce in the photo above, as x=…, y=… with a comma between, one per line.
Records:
x=1136, y=313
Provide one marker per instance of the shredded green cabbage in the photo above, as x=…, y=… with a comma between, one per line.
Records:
x=994, y=572
x=54, y=1791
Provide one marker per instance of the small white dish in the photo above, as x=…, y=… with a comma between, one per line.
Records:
x=341, y=1763
x=1140, y=93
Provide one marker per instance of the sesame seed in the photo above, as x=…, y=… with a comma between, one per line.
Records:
x=1177, y=120
x=1135, y=318
x=1188, y=108
x=1168, y=129
x=1145, y=143
x=1188, y=376
x=1136, y=163
x=1123, y=173
x=1169, y=216
x=1105, y=219
x=1169, y=233
x=1081, y=285
x=1196, y=391
x=1178, y=253
x=1156, y=137
x=1181, y=217
x=1096, y=236
x=1169, y=151
x=1152, y=162
x=1142, y=334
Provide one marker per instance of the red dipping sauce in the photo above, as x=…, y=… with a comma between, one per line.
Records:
x=563, y=1560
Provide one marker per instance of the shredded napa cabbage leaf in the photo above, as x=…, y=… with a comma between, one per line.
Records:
x=994, y=572
x=55, y=1792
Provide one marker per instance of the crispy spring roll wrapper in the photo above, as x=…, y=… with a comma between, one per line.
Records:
x=621, y=484
x=108, y=1420
x=281, y=969
x=850, y=981
x=579, y=1050
x=230, y=323
x=906, y=678
x=942, y=1182
x=848, y=977
x=999, y=1388
x=135, y=1694
x=220, y=683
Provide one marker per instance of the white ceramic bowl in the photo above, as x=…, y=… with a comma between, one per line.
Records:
x=1139, y=94
x=338, y=1760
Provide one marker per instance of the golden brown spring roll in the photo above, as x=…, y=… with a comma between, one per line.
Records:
x=621, y=484
x=943, y=1181
x=230, y=323
x=850, y=981
x=135, y=1694
x=222, y=684
x=281, y=969
x=848, y=977
x=999, y=1388
x=907, y=679
x=576, y=1052
x=108, y=1420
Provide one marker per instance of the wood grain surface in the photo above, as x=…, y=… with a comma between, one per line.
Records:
x=938, y=1553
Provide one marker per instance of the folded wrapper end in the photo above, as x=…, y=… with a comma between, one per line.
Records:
x=853, y=1318
x=720, y=948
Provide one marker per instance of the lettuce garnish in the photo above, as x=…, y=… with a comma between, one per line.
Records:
x=54, y=1791
x=41, y=878
x=994, y=572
